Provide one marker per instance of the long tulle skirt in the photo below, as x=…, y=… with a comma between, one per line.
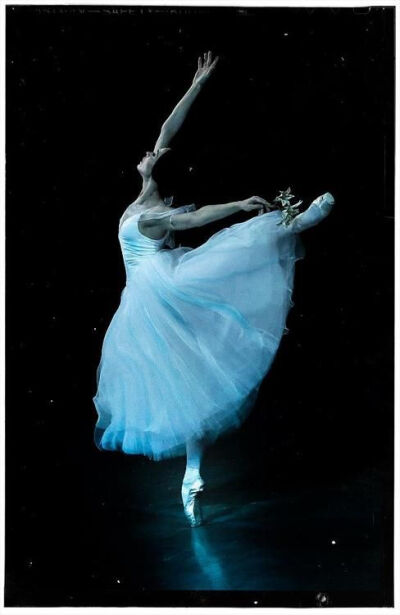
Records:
x=193, y=337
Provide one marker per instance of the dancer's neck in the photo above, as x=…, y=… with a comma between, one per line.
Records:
x=149, y=194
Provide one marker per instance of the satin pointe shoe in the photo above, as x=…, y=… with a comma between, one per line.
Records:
x=191, y=492
x=319, y=209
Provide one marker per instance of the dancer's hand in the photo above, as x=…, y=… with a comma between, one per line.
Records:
x=255, y=202
x=205, y=67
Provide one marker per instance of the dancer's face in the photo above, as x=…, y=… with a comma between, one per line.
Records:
x=148, y=161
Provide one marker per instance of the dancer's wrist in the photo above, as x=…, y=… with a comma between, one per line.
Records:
x=196, y=87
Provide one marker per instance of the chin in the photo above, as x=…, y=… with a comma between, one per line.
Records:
x=143, y=169
x=140, y=170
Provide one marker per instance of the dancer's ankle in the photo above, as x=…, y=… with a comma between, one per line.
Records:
x=191, y=474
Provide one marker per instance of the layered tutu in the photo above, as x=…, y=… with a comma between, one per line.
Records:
x=194, y=335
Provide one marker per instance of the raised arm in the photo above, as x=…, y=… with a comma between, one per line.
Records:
x=172, y=124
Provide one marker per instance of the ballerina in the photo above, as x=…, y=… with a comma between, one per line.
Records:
x=196, y=329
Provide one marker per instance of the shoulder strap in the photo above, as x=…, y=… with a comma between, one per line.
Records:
x=158, y=215
x=148, y=215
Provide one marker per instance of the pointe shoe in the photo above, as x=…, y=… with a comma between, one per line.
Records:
x=191, y=492
x=317, y=211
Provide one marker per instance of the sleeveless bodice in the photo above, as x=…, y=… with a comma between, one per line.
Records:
x=134, y=245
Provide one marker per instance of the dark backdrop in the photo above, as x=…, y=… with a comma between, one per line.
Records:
x=300, y=97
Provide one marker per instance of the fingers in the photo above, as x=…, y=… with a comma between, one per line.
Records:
x=259, y=200
x=205, y=61
x=213, y=65
x=210, y=63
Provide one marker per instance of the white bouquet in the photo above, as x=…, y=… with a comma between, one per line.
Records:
x=289, y=210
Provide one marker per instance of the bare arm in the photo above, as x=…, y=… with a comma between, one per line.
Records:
x=203, y=216
x=173, y=123
x=175, y=120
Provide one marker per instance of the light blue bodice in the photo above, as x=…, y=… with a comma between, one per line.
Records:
x=135, y=246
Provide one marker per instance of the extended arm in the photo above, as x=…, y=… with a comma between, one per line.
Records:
x=201, y=217
x=175, y=120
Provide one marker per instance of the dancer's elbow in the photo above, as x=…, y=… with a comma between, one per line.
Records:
x=183, y=222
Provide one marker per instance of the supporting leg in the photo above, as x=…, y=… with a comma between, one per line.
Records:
x=194, y=456
x=193, y=484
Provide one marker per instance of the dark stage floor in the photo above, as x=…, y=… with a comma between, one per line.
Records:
x=123, y=539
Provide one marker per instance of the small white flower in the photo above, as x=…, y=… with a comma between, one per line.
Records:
x=289, y=211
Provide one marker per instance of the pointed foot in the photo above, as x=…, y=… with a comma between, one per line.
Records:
x=191, y=493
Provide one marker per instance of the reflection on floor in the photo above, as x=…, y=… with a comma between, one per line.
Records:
x=121, y=537
x=323, y=538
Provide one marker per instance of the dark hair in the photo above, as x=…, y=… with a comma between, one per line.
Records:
x=172, y=175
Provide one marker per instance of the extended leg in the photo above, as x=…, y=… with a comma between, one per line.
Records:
x=317, y=211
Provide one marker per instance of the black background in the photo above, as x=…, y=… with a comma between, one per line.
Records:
x=300, y=98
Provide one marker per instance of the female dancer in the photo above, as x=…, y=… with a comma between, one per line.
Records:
x=196, y=329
